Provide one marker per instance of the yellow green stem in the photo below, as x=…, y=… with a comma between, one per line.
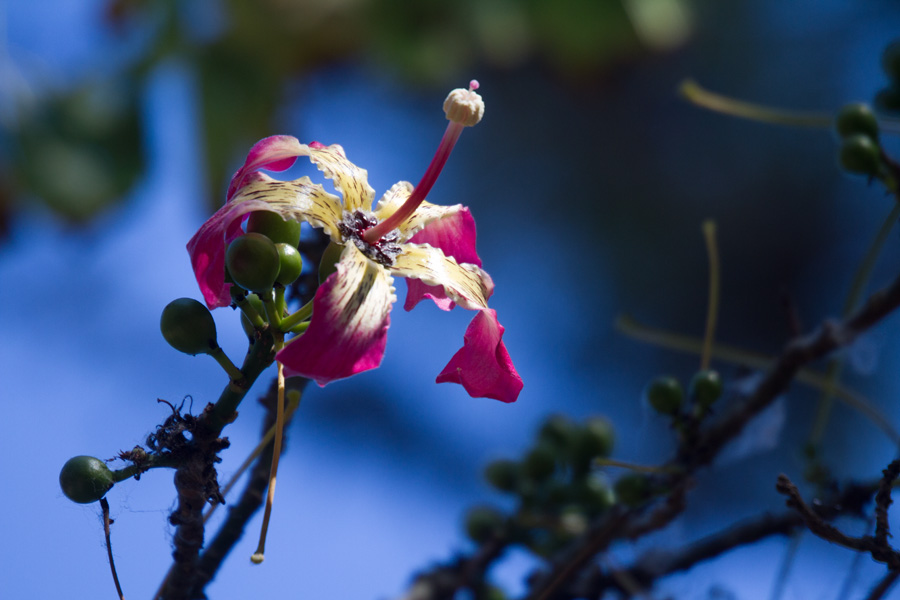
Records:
x=712, y=312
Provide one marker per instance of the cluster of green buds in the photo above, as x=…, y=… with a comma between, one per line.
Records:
x=860, y=150
x=666, y=396
x=559, y=486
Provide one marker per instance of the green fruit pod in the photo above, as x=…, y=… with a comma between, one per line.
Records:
x=188, y=326
x=890, y=61
x=706, y=387
x=252, y=261
x=860, y=154
x=856, y=118
x=290, y=263
x=330, y=258
x=665, y=395
x=274, y=227
x=85, y=479
x=483, y=523
x=503, y=474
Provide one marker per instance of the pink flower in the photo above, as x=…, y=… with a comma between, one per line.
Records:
x=403, y=235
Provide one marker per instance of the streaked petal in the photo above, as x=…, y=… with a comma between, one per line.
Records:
x=300, y=200
x=426, y=213
x=454, y=235
x=350, y=180
x=483, y=366
x=465, y=284
x=274, y=153
x=348, y=331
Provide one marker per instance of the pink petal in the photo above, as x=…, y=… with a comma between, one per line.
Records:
x=483, y=366
x=348, y=331
x=207, y=249
x=455, y=236
x=274, y=153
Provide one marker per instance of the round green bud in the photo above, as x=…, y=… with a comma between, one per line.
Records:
x=558, y=431
x=706, y=387
x=665, y=395
x=890, y=61
x=503, y=474
x=274, y=227
x=290, y=264
x=632, y=489
x=257, y=304
x=85, y=479
x=539, y=463
x=595, y=439
x=860, y=154
x=330, y=258
x=856, y=118
x=252, y=260
x=483, y=523
x=188, y=326
x=888, y=99
x=597, y=495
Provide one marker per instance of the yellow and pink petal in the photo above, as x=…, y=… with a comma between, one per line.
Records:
x=348, y=330
x=463, y=283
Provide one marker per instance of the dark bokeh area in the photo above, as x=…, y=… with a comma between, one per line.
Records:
x=589, y=179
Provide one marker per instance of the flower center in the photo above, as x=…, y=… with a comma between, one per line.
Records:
x=383, y=250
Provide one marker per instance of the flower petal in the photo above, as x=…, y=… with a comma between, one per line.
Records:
x=300, y=200
x=465, y=284
x=274, y=153
x=348, y=331
x=454, y=235
x=483, y=366
x=350, y=180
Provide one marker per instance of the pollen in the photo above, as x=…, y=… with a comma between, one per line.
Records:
x=383, y=251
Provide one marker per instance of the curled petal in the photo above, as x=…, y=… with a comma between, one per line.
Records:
x=300, y=200
x=464, y=284
x=454, y=234
x=350, y=180
x=483, y=366
x=348, y=331
x=274, y=153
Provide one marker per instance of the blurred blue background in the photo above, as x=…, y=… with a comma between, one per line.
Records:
x=588, y=179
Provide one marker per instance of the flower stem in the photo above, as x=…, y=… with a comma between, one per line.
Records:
x=699, y=96
x=291, y=321
x=451, y=135
x=712, y=311
x=259, y=555
x=234, y=374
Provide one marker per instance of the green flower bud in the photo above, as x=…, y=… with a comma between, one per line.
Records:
x=330, y=258
x=632, y=489
x=85, y=479
x=274, y=227
x=539, y=463
x=557, y=431
x=188, y=326
x=594, y=440
x=888, y=99
x=290, y=264
x=597, y=495
x=706, y=388
x=252, y=260
x=856, y=118
x=483, y=523
x=503, y=474
x=665, y=395
x=860, y=154
x=890, y=61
